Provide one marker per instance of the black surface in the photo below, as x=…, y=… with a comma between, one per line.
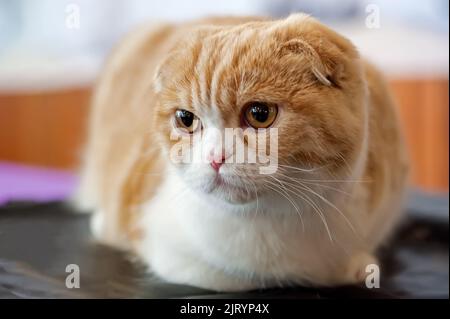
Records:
x=37, y=242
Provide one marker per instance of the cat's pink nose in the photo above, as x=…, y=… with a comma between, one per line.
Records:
x=216, y=164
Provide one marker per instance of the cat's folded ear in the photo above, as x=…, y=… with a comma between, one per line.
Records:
x=158, y=77
x=331, y=56
x=157, y=80
x=163, y=72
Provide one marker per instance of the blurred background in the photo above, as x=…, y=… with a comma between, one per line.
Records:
x=52, y=50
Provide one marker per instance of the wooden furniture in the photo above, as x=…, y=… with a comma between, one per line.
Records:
x=424, y=107
x=48, y=128
x=45, y=129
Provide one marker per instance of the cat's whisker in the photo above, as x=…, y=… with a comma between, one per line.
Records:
x=297, y=170
x=305, y=170
x=315, y=207
x=327, y=187
x=246, y=189
x=286, y=194
x=347, y=165
x=333, y=206
x=336, y=181
x=319, y=212
x=302, y=181
x=308, y=189
x=282, y=192
x=277, y=189
x=257, y=199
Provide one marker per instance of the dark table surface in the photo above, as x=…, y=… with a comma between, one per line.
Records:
x=38, y=241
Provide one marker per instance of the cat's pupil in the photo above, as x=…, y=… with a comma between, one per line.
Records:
x=260, y=112
x=186, y=117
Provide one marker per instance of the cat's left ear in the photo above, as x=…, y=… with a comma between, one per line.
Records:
x=324, y=71
x=331, y=56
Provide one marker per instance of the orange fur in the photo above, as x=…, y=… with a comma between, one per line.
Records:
x=336, y=111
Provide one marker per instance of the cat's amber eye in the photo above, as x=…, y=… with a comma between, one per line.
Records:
x=187, y=120
x=260, y=114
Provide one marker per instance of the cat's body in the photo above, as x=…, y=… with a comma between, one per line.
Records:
x=317, y=221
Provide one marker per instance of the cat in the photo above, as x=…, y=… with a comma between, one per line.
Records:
x=317, y=219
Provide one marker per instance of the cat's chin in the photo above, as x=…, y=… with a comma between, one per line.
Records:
x=232, y=198
x=228, y=193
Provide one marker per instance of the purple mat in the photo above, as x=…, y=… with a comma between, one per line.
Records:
x=30, y=183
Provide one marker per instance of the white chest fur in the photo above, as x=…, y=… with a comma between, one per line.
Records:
x=198, y=240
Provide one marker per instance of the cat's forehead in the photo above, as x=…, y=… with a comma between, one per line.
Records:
x=224, y=40
x=220, y=66
x=216, y=70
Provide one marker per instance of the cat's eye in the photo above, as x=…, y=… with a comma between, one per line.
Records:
x=260, y=114
x=187, y=120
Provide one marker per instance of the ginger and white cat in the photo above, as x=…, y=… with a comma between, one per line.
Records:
x=317, y=220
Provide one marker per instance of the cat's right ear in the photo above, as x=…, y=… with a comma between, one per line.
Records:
x=158, y=79
x=162, y=73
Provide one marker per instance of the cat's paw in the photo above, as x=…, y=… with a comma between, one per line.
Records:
x=356, y=268
x=101, y=231
x=96, y=224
